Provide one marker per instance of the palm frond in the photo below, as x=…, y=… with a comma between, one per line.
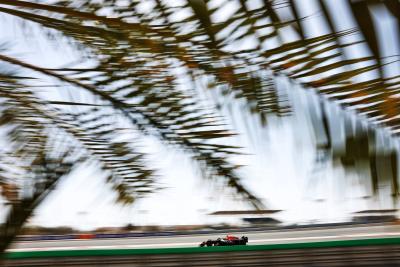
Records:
x=160, y=103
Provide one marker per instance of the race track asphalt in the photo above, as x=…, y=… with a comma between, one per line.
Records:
x=255, y=238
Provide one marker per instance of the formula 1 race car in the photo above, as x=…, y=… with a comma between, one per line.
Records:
x=229, y=240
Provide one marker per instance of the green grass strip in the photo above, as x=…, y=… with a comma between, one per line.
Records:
x=189, y=250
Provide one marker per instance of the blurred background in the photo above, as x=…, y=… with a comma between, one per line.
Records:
x=161, y=113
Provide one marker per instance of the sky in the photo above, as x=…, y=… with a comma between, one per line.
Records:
x=279, y=168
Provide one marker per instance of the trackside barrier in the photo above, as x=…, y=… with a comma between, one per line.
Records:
x=86, y=236
x=195, y=232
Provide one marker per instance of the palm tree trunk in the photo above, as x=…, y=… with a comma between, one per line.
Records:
x=16, y=218
x=21, y=211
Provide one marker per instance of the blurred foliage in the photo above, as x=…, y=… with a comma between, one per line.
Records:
x=145, y=67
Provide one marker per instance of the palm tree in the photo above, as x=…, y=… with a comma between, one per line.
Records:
x=134, y=87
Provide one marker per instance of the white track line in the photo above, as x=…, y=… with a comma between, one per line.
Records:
x=102, y=247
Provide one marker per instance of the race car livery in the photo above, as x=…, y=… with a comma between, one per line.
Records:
x=229, y=240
